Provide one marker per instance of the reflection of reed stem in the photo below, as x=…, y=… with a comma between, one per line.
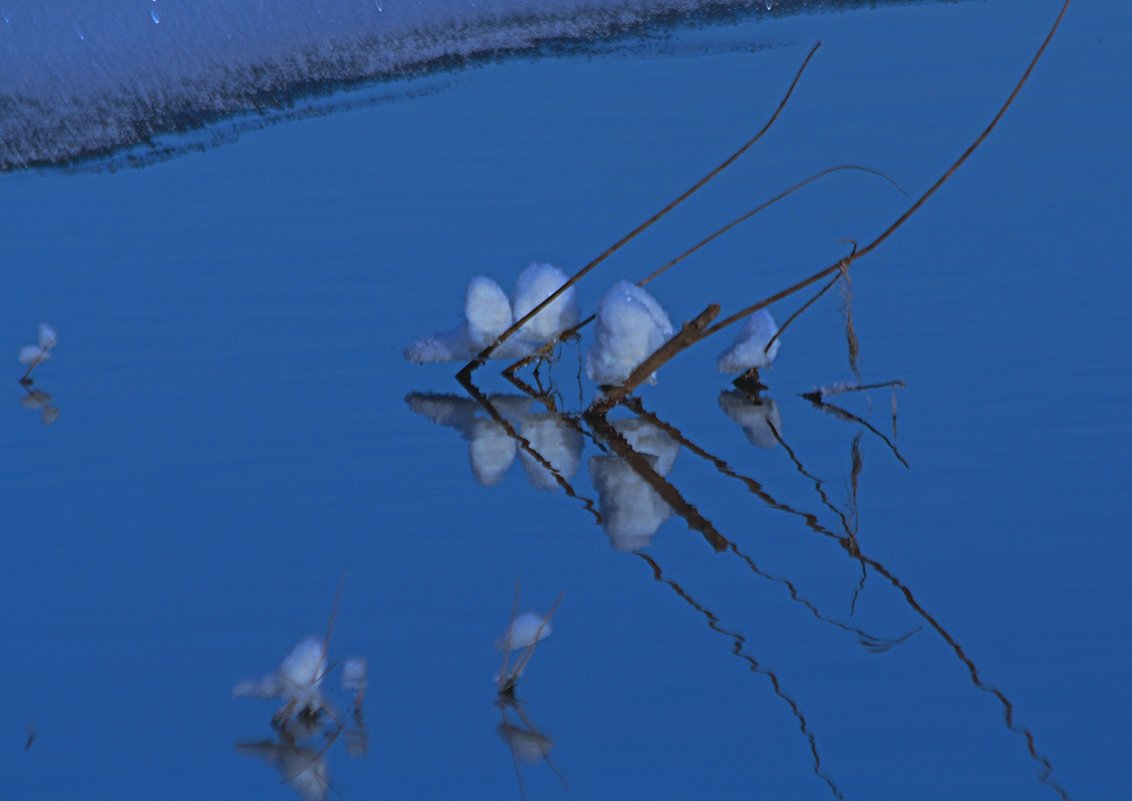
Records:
x=525, y=444
x=851, y=546
x=641, y=466
x=845, y=414
x=738, y=650
x=871, y=641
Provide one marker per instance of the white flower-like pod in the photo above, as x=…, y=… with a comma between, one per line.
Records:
x=30, y=354
x=648, y=439
x=296, y=680
x=48, y=338
x=537, y=283
x=305, y=665
x=631, y=325
x=750, y=347
x=355, y=673
x=525, y=630
x=487, y=314
x=487, y=311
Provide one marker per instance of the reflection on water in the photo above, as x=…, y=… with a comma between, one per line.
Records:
x=491, y=450
x=302, y=768
x=307, y=725
x=758, y=419
x=635, y=497
x=631, y=510
x=523, y=739
x=560, y=444
x=42, y=402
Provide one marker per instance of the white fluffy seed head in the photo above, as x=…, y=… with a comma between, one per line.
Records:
x=449, y=346
x=48, y=338
x=33, y=353
x=354, y=674
x=305, y=666
x=630, y=326
x=557, y=442
x=486, y=310
x=491, y=452
x=750, y=347
x=535, y=284
x=524, y=631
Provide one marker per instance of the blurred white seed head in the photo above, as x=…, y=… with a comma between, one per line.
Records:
x=524, y=631
x=750, y=347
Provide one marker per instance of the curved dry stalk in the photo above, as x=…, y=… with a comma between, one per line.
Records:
x=821, y=393
x=669, y=350
x=762, y=207
x=848, y=261
x=507, y=642
x=486, y=352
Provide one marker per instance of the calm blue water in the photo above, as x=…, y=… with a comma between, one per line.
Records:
x=233, y=433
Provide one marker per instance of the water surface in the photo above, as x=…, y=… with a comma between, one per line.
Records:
x=237, y=429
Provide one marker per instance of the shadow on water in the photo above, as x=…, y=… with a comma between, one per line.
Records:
x=635, y=497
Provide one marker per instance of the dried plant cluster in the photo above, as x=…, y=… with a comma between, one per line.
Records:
x=630, y=347
x=307, y=723
x=634, y=337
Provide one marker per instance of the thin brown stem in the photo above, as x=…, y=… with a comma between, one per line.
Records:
x=689, y=334
x=848, y=261
x=570, y=333
x=486, y=352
